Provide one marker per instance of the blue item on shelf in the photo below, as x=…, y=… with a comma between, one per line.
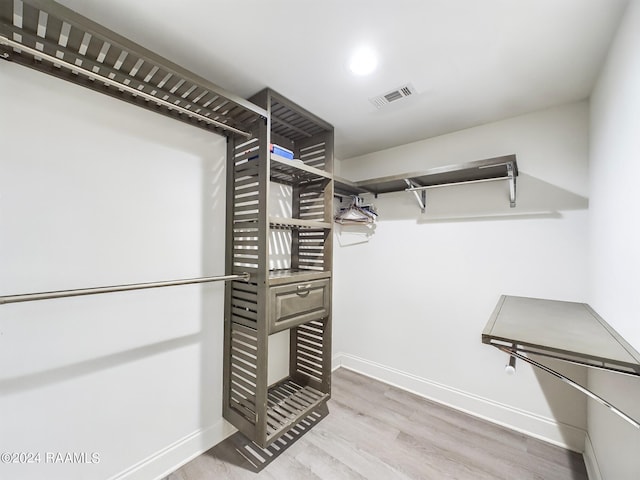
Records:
x=281, y=151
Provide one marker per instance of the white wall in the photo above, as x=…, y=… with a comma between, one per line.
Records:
x=97, y=192
x=615, y=237
x=410, y=304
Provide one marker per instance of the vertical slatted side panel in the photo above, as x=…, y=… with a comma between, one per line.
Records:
x=310, y=347
x=279, y=249
x=314, y=155
x=246, y=205
x=244, y=303
x=245, y=334
x=312, y=204
x=243, y=371
x=311, y=247
x=310, y=244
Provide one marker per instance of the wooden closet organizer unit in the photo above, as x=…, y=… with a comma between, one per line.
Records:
x=296, y=298
x=48, y=37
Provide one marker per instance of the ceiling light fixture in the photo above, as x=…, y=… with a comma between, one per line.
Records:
x=363, y=61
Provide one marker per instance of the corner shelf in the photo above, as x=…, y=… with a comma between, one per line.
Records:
x=567, y=331
x=491, y=169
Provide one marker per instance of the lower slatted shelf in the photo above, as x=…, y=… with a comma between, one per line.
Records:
x=287, y=403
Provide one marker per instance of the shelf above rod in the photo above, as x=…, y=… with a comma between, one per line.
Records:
x=30, y=297
x=72, y=47
x=107, y=81
x=488, y=170
x=568, y=381
x=568, y=331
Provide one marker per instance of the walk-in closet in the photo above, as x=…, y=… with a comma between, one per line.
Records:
x=338, y=240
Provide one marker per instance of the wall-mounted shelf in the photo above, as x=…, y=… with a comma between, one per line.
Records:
x=568, y=331
x=492, y=169
x=53, y=39
x=344, y=187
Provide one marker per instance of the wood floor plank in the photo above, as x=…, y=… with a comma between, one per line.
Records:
x=378, y=432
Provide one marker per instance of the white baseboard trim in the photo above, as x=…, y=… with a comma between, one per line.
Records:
x=172, y=457
x=534, y=425
x=590, y=460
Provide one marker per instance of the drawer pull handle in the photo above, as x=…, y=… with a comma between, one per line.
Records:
x=303, y=290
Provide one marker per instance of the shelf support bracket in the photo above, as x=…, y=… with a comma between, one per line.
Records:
x=577, y=386
x=512, y=185
x=421, y=195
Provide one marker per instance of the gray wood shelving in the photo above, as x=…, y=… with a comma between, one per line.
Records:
x=568, y=331
x=53, y=39
x=492, y=169
x=297, y=299
x=48, y=37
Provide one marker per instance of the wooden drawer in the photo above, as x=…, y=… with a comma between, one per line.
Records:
x=296, y=303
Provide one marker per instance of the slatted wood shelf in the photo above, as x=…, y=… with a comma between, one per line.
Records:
x=288, y=403
x=289, y=120
x=480, y=170
x=568, y=331
x=291, y=223
x=51, y=38
x=296, y=172
x=278, y=277
x=488, y=170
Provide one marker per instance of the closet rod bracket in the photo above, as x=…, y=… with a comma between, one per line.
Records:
x=421, y=195
x=512, y=184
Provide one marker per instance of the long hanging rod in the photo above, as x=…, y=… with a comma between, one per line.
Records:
x=29, y=297
x=570, y=382
x=106, y=80
x=464, y=182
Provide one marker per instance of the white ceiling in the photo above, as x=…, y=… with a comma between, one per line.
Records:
x=471, y=61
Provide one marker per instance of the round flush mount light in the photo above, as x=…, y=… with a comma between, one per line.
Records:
x=363, y=61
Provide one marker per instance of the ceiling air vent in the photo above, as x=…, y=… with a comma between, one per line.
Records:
x=393, y=96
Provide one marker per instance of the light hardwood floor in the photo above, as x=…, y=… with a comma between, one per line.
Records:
x=375, y=431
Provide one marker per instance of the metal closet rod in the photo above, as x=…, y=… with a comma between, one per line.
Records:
x=568, y=381
x=30, y=297
x=108, y=81
x=464, y=182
